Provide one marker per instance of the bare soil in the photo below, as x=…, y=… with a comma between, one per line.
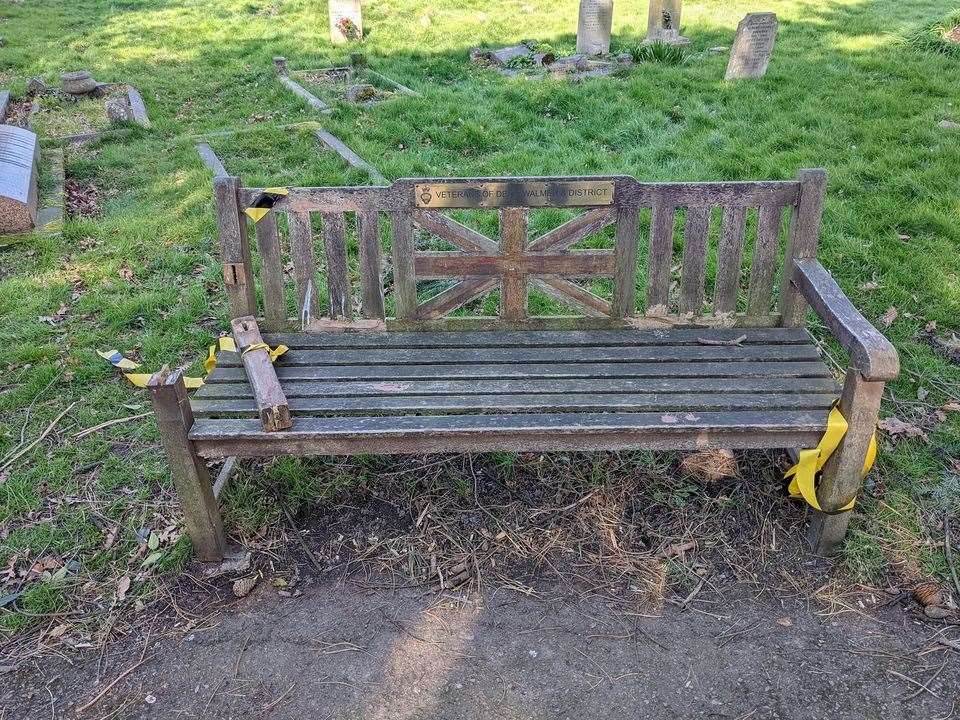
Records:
x=596, y=602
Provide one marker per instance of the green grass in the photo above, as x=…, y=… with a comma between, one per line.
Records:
x=842, y=92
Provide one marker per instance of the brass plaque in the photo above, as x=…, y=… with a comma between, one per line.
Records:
x=520, y=193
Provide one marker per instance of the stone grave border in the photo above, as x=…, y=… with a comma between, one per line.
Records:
x=286, y=77
x=328, y=139
x=4, y=102
x=50, y=217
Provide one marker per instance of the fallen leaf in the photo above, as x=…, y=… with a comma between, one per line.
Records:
x=126, y=273
x=243, y=586
x=895, y=427
x=785, y=621
x=122, y=587
x=951, y=407
x=58, y=631
x=922, y=393
x=869, y=285
x=889, y=316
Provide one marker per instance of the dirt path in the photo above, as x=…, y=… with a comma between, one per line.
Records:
x=350, y=652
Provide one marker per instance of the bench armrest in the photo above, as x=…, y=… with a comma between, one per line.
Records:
x=870, y=352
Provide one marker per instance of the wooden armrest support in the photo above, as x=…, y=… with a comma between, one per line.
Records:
x=870, y=352
x=271, y=402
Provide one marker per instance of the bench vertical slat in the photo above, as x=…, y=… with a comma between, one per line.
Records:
x=404, y=275
x=303, y=258
x=764, y=259
x=625, y=256
x=338, y=274
x=730, y=258
x=694, y=259
x=234, y=247
x=661, y=252
x=371, y=267
x=802, y=241
x=513, y=243
x=271, y=272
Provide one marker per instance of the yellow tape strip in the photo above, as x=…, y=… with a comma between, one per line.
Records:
x=114, y=357
x=811, y=462
x=274, y=352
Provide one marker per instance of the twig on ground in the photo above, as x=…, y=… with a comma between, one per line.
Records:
x=948, y=548
x=110, y=423
x=7, y=463
x=273, y=703
x=303, y=543
x=736, y=342
x=922, y=686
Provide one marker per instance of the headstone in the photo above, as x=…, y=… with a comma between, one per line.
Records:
x=594, y=27
x=19, y=155
x=663, y=23
x=753, y=46
x=346, y=21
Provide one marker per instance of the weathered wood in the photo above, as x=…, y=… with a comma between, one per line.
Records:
x=624, y=303
x=870, y=352
x=214, y=390
x=271, y=404
x=518, y=402
x=513, y=243
x=448, y=229
x=842, y=475
x=303, y=257
x=190, y=477
x=661, y=254
x=371, y=266
x=672, y=353
x=271, y=272
x=570, y=233
x=694, y=265
x=352, y=159
x=454, y=297
x=234, y=247
x=516, y=432
x=764, y=259
x=544, y=338
x=444, y=264
x=802, y=241
x=730, y=257
x=404, y=274
x=520, y=371
x=210, y=159
x=574, y=295
x=338, y=274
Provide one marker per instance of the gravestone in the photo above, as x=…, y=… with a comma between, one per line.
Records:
x=594, y=27
x=19, y=155
x=346, y=21
x=663, y=23
x=753, y=46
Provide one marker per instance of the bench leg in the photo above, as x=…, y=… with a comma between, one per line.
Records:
x=843, y=474
x=190, y=476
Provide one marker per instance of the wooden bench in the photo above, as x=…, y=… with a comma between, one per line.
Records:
x=387, y=370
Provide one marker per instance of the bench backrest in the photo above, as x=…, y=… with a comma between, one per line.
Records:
x=694, y=241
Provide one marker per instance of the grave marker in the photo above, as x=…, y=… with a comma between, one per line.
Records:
x=663, y=23
x=594, y=27
x=753, y=46
x=346, y=21
x=19, y=155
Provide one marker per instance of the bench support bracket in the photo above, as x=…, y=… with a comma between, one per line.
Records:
x=190, y=476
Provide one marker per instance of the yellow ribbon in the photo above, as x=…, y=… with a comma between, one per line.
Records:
x=274, y=352
x=141, y=379
x=811, y=462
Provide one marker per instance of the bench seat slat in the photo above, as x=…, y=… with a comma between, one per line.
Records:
x=627, y=402
x=564, y=386
x=540, y=370
x=546, y=338
x=516, y=432
x=691, y=353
